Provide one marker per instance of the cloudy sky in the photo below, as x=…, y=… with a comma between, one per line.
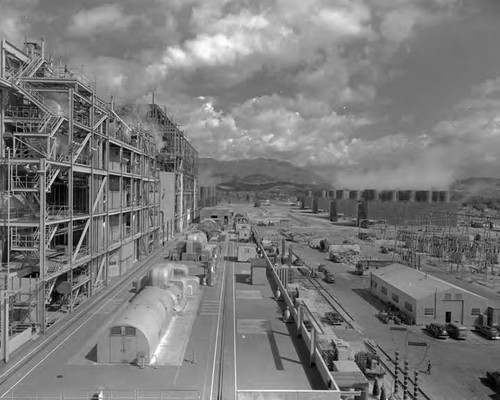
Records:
x=402, y=92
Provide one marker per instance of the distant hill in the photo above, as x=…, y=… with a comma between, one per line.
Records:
x=257, y=175
x=264, y=174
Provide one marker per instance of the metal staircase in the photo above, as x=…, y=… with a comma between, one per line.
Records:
x=49, y=287
x=29, y=69
x=20, y=185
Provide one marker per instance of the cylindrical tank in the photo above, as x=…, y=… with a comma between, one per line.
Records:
x=161, y=275
x=198, y=237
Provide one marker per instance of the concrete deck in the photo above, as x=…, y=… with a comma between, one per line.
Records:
x=260, y=351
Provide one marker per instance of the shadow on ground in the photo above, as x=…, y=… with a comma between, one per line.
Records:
x=366, y=295
x=92, y=354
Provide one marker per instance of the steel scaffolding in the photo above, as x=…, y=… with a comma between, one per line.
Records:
x=80, y=187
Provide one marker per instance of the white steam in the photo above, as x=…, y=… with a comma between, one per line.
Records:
x=430, y=169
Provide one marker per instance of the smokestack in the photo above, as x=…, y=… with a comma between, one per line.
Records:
x=446, y=196
x=393, y=195
x=411, y=196
x=429, y=196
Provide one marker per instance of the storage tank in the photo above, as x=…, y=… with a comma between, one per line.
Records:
x=161, y=275
x=198, y=237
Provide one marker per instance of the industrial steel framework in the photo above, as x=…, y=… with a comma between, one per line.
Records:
x=180, y=157
x=79, y=188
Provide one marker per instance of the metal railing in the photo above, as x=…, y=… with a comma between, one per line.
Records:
x=23, y=182
x=24, y=241
x=57, y=211
x=25, y=112
x=105, y=394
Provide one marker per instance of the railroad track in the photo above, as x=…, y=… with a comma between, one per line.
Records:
x=332, y=301
x=310, y=282
x=59, y=332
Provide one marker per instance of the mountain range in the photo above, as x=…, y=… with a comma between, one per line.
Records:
x=264, y=174
x=257, y=174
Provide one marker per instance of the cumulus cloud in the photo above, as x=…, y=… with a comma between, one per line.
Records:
x=15, y=19
x=288, y=79
x=103, y=19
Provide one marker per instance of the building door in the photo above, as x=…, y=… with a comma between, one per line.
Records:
x=447, y=317
x=122, y=347
x=454, y=311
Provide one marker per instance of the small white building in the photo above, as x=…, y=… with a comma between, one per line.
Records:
x=426, y=298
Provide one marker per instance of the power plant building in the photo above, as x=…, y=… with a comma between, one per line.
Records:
x=392, y=206
x=85, y=193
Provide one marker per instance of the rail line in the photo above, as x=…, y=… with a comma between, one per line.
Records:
x=70, y=326
x=220, y=381
x=314, y=283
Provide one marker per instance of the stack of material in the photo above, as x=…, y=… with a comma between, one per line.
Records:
x=347, y=375
x=344, y=253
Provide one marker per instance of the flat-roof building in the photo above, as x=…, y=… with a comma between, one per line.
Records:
x=426, y=298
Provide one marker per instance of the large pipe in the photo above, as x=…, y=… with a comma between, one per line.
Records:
x=415, y=387
x=405, y=381
x=396, y=372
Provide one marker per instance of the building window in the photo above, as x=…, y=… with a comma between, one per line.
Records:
x=475, y=311
x=447, y=296
x=116, y=330
x=458, y=296
x=129, y=331
x=408, y=306
x=428, y=311
x=383, y=289
x=395, y=298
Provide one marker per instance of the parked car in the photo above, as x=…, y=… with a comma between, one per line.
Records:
x=329, y=278
x=437, y=330
x=456, y=331
x=321, y=268
x=488, y=332
x=298, y=262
